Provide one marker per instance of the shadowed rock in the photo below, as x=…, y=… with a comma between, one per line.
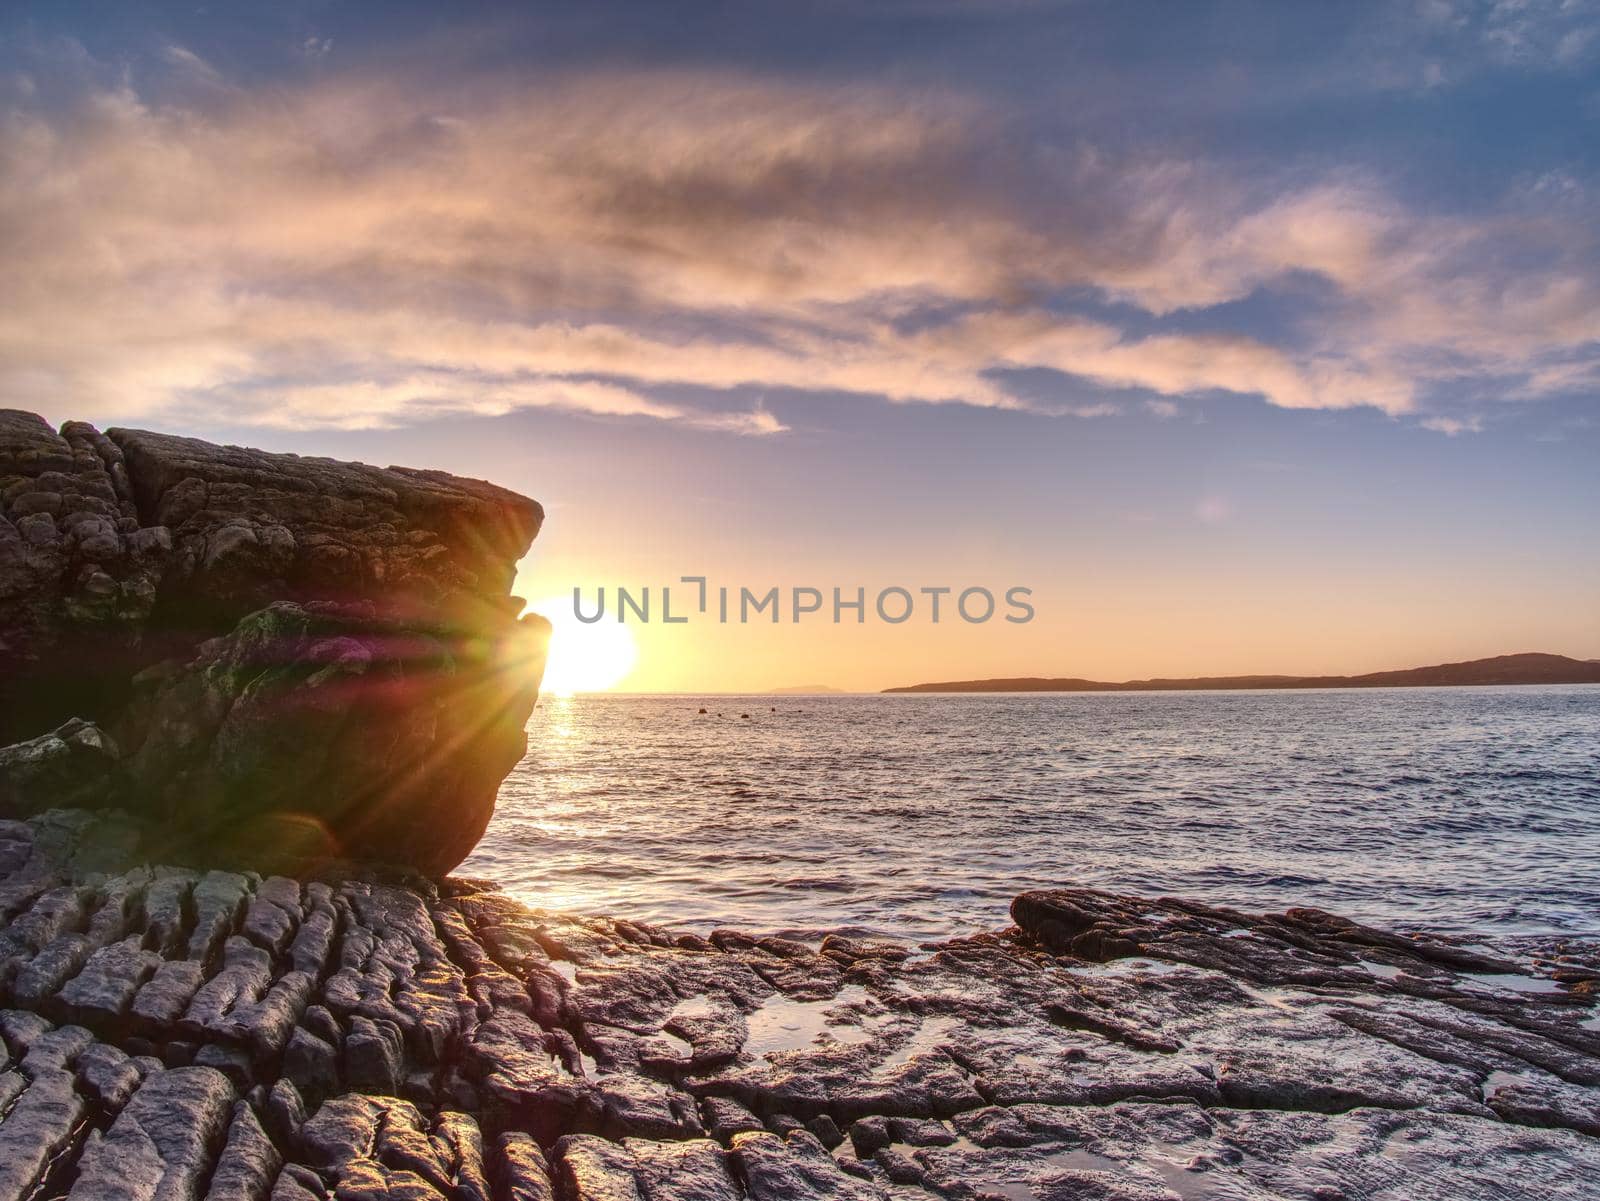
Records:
x=78, y=573
x=259, y=650
x=329, y=732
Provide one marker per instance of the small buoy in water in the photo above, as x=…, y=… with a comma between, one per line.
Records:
x=702, y=709
x=774, y=709
x=744, y=715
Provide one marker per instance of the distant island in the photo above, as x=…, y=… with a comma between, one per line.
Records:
x=1502, y=669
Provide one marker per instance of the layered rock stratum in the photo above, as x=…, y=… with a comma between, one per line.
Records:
x=184, y=1034
x=269, y=654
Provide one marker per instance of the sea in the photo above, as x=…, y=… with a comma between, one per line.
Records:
x=919, y=817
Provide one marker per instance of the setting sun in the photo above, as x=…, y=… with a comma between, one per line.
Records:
x=584, y=658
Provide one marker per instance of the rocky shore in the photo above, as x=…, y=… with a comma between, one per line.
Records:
x=257, y=708
x=179, y=1034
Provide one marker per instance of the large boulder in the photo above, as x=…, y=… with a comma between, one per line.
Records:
x=73, y=765
x=266, y=653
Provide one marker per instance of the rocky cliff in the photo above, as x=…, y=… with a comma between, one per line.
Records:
x=267, y=653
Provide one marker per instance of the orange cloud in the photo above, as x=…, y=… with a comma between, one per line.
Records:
x=360, y=253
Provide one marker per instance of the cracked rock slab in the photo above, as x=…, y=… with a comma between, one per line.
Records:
x=255, y=1039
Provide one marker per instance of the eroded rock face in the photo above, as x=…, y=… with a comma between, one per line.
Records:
x=357, y=1038
x=78, y=572
x=259, y=651
x=249, y=528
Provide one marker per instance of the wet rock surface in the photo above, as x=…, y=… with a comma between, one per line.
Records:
x=259, y=650
x=186, y=1034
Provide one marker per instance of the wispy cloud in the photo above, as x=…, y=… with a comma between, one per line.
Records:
x=1451, y=426
x=1539, y=34
x=356, y=252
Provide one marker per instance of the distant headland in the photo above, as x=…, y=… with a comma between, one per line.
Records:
x=1502, y=669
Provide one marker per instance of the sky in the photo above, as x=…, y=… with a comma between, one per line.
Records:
x=1248, y=337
